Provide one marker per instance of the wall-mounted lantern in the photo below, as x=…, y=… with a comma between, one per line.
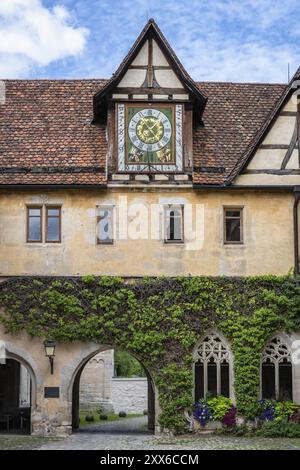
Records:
x=50, y=351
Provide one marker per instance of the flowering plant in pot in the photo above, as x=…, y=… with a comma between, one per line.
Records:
x=202, y=413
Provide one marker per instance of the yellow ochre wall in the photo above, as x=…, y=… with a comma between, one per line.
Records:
x=268, y=235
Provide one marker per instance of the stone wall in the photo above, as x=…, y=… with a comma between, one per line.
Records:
x=129, y=395
x=95, y=382
x=78, y=253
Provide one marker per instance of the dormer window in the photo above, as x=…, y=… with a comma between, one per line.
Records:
x=150, y=106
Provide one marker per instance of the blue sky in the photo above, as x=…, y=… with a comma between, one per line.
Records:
x=217, y=40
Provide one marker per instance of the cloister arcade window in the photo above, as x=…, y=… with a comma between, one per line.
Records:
x=211, y=368
x=276, y=371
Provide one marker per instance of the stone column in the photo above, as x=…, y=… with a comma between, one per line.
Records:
x=24, y=394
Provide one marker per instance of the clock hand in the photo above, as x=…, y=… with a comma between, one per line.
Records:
x=156, y=124
x=149, y=128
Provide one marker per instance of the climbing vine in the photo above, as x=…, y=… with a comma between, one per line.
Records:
x=159, y=321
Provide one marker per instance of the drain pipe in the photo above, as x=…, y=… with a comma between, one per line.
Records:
x=296, y=230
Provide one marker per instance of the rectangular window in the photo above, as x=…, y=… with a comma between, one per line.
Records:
x=174, y=224
x=233, y=225
x=34, y=224
x=53, y=224
x=105, y=225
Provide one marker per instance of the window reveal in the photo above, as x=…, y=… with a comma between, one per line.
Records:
x=37, y=231
x=233, y=225
x=105, y=225
x=53, y=224
x=174, y=224
x=34, y=224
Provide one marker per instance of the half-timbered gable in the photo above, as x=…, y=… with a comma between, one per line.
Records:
x=273, y=158
x=150, y=105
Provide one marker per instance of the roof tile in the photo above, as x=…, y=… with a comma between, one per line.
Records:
x=46, y=136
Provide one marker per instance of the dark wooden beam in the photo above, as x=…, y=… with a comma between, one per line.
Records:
x=296, y=231
x=272, y=172
x=288, y=113
x=298, y=126
x=291, y=147
x=145, y=91
x=274, y=146
x=150, y=63
x=145, y=67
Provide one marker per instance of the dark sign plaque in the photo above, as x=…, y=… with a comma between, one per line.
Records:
x=51, y=392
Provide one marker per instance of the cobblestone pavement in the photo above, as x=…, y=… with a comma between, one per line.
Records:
x=131, y=434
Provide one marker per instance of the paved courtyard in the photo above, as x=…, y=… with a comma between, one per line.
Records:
x=131, y=434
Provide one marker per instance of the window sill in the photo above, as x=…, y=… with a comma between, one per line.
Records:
x=234, y=245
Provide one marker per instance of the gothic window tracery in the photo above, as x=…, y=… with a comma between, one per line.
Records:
x=212, y=368
x=276, y=371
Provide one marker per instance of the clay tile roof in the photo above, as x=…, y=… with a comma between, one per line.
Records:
x=234, y=114
x=46, y=136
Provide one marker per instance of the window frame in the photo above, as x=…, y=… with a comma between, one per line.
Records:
x=111, y=208
x=203, y=355
x=169, y=207
x=28, y=208
x=241, y=210
x=47, y=207
x=277, y=362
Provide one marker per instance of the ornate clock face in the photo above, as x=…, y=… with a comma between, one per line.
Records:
x=150, y=130
x=149, y=137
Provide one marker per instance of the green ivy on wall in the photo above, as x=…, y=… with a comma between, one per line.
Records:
x=160, y=321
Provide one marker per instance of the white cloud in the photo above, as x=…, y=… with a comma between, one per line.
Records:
x=220, y=40
x=32, y=35
x=252, y=40
x=223, y=40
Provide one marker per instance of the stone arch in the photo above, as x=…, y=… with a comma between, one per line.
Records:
x=213, y=353
x=277, y=369
x=74, y=384
x=22, y=357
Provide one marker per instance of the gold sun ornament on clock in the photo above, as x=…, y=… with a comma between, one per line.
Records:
x=150, y=130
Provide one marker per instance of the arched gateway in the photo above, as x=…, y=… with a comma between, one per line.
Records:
x=52, y=399
x=75, y=390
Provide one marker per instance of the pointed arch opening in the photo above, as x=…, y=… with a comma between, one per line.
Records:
x=212, y=367
x=277, y=371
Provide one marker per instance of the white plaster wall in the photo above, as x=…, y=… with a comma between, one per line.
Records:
x=271, y=159
x=291, y=105
x=282, y=131
x=129, y=395
x=142, y=57
x=167, y=79
x=158, y=56
x=133, y=78
x=267, y=179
